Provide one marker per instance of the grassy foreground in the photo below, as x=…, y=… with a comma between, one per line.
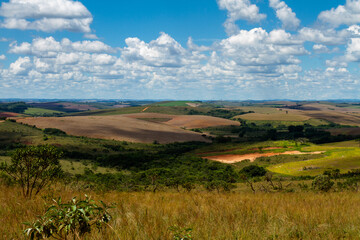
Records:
x=144, y=215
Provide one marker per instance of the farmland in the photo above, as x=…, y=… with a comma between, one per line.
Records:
x=116, y=127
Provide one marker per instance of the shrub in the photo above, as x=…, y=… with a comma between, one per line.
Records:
x=322, y=183
x=54, y=131
x=253, y=171
x=69, y=220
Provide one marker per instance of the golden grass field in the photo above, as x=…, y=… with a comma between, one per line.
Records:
x=224, y=216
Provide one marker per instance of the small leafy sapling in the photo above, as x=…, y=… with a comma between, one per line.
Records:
x=70, y=220
x=179, y=233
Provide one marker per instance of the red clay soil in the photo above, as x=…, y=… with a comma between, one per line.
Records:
x=8, y=114
x=232, y=158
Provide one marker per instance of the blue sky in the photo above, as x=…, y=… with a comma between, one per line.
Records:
x=203, y=49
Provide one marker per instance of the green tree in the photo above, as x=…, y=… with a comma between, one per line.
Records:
x=34, y=167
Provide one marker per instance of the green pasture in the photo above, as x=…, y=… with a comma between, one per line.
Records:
x=335, y=157
x=275, y=123
x=244, y=148
x=40, y=111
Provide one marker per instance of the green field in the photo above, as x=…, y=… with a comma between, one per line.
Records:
x=275, y=123
x=337, y=156
x=40, y=111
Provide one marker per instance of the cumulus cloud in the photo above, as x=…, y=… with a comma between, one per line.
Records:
x=162, y=52
x=259, y=48
x=49, y=47
x=21, y=66
x=335, y=63
x=347, y=14
x=239, y=10
x=2, y=57
x=285, y=14
x=354, y=29
x=324, y=36
x=319, y=48
x=353, y=50
x=45, y=15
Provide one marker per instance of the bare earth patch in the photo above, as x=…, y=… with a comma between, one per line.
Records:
x=186, y=121
x=117, y=127
x=232, y=158
x=8, y=114
x=193, y=104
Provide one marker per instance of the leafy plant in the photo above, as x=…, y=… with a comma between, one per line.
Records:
x=180, y=233
x=69, y=220
x=34, y=168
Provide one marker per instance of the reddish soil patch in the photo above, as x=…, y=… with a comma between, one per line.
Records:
x=232, y=158
x=8, y=114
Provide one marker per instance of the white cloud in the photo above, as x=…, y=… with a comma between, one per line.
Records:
x=347, y=14
x=2, y=57
x=21, y=66
x=239, y=9
x=334, y=63
x=259, y=48
x=49, y=47
x=354, y=29
x=162, y=52
x=90, y=36
x=285, y=14
x=280, y=37
x=353, y=50
x=327, y=36
x=319, y=48
x=46, y=15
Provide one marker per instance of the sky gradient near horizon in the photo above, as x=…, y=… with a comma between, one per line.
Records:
x=160, y=49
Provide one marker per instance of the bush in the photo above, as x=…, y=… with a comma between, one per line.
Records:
x=322, y=183
x=253, y=171
x=54, y=131
x=69, y=220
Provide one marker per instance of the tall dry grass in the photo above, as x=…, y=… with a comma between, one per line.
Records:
x=144, y=215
